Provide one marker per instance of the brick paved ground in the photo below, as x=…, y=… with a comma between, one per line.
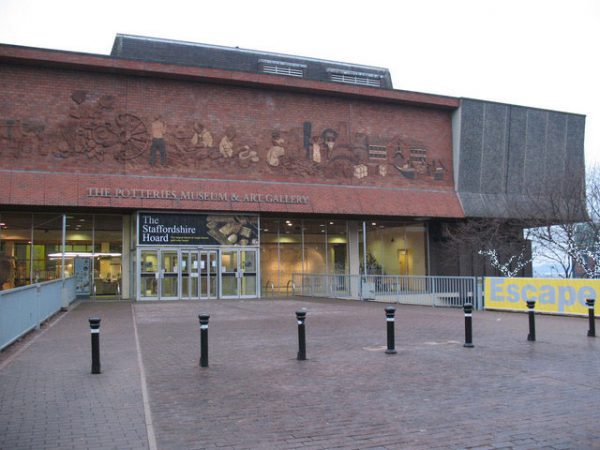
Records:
x=49, y=399
x=504, y=393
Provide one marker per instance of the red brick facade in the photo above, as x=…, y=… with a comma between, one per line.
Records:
x=80, y=130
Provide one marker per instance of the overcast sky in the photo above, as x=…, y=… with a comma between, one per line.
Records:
x=543, y=53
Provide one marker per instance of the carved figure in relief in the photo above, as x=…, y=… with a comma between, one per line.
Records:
x=329, y=137
x=276, y=151
x=158, y=131
x=316, y=150
x=180, y=139
x=226, y=144
x=247, y=156
x=202, y=137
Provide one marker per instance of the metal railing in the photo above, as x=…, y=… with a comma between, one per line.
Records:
x=24, y=308
x=414, y=290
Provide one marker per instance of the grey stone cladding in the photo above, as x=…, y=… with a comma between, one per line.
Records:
x=514, y=162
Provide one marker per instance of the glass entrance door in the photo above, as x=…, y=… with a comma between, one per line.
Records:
x=149, y=274
x=238, y=273
x=190, y=271
x=229, y=274
x=169, y=274
x=209, y=274
x=248, y=277
x=191, y=274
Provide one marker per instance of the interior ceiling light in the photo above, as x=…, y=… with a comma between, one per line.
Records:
x=81, y=255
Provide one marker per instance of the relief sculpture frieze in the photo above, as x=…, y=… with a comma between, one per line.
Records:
x=99, y=129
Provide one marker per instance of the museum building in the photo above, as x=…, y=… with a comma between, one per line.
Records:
x=177, y=170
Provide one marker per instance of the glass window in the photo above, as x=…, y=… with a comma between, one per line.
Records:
x=26, y=242
x=108, y=247
x=337, y=247
x=280, y=254
x=79, y=239
x=290, y=251
x=31, y=247
x=291, y=246
x=47, y=239
x=396, y=248
x=15, y=255
x=269, y=256
x=315, y=246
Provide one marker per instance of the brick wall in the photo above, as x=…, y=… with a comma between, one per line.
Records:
x=64, y=133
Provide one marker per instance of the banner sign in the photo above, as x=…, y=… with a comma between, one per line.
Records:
x=197, y=229
x=561, y=296
x=83, y=277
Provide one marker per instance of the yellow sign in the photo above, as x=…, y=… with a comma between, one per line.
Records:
x=562, y=296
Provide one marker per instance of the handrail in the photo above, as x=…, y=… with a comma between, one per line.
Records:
x=268, y=284
x=38, y=285
x=412, y=289
x=287, y=288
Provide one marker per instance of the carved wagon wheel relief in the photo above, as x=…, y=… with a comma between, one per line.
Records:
x=133, y=137
x=128, y=133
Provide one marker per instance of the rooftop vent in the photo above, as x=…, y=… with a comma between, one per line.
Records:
x=281, y=68
x=351, y=77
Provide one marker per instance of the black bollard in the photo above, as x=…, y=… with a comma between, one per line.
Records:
x=203, y=339
x=531, y=305
x=590, y=304
x=95, y=332
x=389, y=318
x=468, y=307
x=301, y=318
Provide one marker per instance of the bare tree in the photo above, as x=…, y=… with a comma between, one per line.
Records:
x=557, y=223
x=499, y=241
x=570, y=237
x=587, y=237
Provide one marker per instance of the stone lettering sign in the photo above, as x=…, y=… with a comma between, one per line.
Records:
x=206, y=196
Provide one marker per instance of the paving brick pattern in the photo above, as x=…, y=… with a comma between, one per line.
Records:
x=504, y=393
x=50, y=400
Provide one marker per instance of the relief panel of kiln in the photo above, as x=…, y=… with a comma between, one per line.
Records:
x=96, y=130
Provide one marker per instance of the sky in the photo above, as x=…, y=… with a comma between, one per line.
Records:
x=534, y=53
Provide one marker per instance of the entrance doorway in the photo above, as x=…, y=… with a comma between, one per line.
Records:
x=238, y=273
x=197, y=274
